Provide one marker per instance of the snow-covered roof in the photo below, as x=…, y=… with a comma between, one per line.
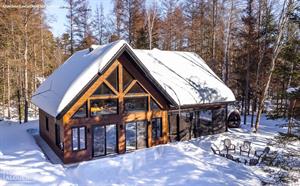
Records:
x=183, y=75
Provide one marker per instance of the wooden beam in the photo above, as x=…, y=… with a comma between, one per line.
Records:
x=130, y=86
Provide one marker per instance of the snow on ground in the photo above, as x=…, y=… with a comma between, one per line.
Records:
x=182, y=163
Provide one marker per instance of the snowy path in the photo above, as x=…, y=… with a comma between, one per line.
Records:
x=183, y=163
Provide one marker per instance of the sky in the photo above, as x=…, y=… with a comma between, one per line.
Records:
x=56, y=15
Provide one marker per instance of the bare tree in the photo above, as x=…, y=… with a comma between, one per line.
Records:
x=287, y=8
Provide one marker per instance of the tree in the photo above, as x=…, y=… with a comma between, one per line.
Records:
x=288, y=8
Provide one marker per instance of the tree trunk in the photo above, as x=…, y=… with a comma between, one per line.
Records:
x=277, y=47
x=26, y=72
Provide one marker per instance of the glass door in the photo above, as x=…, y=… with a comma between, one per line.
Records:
x=98, y=141
x=104, y=140
x=136, y=135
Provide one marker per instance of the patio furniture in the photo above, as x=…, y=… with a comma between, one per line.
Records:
x=215, y=149
x=260, y=153
x=228, y=145
x=269, y=158
x=253, y=161
x=246, y=147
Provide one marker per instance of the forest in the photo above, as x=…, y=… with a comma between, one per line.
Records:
x=252, y=45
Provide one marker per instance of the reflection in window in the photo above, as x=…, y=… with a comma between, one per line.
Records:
x=141, y=134
x=103, y=107
x=78, y=138
x=154, y=105
x=111, y=139
x=127, y=78
x=98, y=141
x=156, y=129
x=103, y=89
x=136, y=104
x=130, y=136
x=113, y=79
x=136, y=88
x=205, y=117
x=81, y=112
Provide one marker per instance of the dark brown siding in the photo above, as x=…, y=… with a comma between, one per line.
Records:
x=49, y=136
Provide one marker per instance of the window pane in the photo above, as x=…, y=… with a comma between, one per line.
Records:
x=156, y=128
x=205, y=117
x=141, y=134
x=75, y=138
x=111, y=139
x=57, y=135
x=136, y=104
x=130, y=136
x=104, y=106
x=136, y=89
x=154, y=105
x=81, y=112
x=99, y=140
x=113, y=79
x=82, y=137
x=103, y=89
x=127, y=78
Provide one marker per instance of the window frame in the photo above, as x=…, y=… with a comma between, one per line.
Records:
x=156, y=137
x=136, y=134
x=78, y=138
x=135, y=97
x=86, y=112
x=99, y=98
x=47, y=123
x=57, y=136
x=105, y=140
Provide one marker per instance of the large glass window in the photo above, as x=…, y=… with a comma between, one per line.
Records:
x=103, y=89
x=141, y=134
x=154, y=105
x=113, y=79
x=127, y=78
x=130, y=136
x=111, y=139
x=104, y=140
x=103, y=107
x=78, y=138
x=57, y=136
x=136, y=89
x=98, y=140
x=136, y=104
x=156, y=129
x=81, y=112
x=205, y=117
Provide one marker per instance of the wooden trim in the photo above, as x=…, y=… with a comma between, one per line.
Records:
x=103, y=97
x=136, y=95
x=130, y=86
x=111, y=87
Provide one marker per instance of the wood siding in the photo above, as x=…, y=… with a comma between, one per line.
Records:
x=49, y=135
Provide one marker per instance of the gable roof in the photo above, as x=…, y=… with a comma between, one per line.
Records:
x=182, y=77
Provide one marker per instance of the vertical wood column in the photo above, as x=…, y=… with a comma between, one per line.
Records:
x=121, y=125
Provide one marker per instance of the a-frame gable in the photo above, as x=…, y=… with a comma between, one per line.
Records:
x=124, y=61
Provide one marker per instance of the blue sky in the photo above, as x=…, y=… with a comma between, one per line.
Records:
x=56, y=15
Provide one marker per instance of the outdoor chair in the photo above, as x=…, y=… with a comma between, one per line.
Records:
x=253, y=162
x=269, y=158
x=228, y=145
x=260, y=153
x=246, y=147
x=215, y=149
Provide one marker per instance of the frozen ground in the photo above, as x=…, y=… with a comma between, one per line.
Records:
x=182, y=163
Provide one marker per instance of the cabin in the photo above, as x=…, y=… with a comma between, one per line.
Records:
x=113, y=99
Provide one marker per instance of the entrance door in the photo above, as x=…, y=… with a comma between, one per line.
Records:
x=104, y=140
